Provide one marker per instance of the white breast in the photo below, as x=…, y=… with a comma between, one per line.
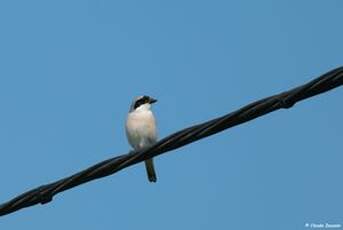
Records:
x=141, y=129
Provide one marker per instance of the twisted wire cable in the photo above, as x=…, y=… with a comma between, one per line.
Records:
x=284, y=100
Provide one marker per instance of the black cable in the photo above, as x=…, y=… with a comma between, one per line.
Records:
x=45, y=193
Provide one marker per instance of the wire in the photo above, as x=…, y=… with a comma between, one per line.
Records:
x=285, y=100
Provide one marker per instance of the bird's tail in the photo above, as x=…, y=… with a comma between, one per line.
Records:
x=150, y=170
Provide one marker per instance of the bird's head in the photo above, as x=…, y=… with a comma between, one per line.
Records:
x=142, y=103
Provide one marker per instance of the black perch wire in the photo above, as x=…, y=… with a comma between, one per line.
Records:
x=285, y=100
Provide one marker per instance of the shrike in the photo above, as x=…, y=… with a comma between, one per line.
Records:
x=141, y=129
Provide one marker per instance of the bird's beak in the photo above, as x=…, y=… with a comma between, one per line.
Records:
x=152, y=100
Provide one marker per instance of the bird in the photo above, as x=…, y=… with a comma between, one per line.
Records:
x=141, y=130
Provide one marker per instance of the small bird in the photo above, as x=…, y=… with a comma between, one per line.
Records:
x=141, y=129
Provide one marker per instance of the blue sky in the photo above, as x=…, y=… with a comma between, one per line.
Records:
x=69, y=70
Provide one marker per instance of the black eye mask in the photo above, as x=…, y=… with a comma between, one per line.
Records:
x=141, y=101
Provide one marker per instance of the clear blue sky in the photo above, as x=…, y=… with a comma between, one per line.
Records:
x=68, y=73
